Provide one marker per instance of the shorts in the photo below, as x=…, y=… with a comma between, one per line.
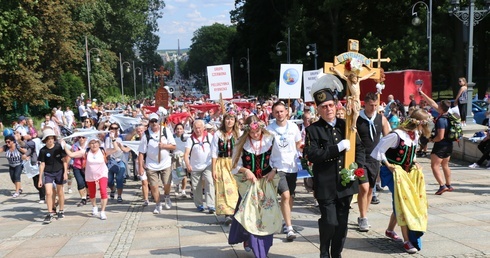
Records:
x=372, y=171
x=143, y=177
x=287, y=182
x=442, y=151
x=54, y=177
x=154, y=175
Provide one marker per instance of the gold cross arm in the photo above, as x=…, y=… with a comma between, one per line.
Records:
x=379, y=59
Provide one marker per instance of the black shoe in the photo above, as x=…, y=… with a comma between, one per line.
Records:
x=48, y=218
x=112, y=194
x=82, y=202
x=61, y=214
x=375, y=200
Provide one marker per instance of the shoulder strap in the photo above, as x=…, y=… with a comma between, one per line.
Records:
x=147, y=134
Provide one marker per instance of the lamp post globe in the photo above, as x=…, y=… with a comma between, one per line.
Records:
x=416, y=21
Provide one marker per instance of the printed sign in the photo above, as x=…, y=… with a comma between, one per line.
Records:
x=290, y=81
x=309, y=77
x=219, y=80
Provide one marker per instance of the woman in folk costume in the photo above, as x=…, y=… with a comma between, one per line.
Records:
x=221, y=152
x=405, y=179
x=258, y=214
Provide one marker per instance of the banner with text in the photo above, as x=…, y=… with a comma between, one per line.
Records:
x=290, y=81
x=309, y=77
x=219, y=80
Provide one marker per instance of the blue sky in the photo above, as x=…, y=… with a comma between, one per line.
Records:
x=182, y=17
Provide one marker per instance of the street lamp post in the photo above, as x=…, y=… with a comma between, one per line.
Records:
x=121, y=64
x=248, y=67
x=140, y=73
x=416, y=22
x=470, y=17
x=312, y=52
x=89, y=65
x=288, y=49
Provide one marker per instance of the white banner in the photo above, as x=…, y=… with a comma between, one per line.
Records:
x=219, y=80
x=290, y=81
x=309, y=77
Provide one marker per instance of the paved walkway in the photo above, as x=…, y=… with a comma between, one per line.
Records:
x=458, y=225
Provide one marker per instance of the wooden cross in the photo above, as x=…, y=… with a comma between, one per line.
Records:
x=379, y=60
x=381, y=79
x=162, y=94
x=339, y=65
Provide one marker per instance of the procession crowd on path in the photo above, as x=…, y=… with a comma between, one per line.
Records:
x=238, y=157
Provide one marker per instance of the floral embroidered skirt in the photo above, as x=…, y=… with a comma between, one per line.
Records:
x=225, y=187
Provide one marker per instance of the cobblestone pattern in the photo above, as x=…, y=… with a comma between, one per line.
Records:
x=121, y=243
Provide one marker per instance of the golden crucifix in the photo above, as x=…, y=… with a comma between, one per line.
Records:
x=380, y=83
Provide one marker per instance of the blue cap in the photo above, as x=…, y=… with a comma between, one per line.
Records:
x=8, y=132
x=22, y=118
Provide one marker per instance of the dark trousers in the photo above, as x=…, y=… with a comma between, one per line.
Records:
x=484, y=147
x=42, y=192
x=333, y=225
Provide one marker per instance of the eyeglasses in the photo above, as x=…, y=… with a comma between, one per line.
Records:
x=114, y=128
x=7, y=142
x=153, y=121
x=82, y=137
x=327, y=106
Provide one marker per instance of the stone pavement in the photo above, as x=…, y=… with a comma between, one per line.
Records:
x=458, y=225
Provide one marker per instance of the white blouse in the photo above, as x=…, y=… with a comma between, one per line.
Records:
x=391, y=141
x=267, y=141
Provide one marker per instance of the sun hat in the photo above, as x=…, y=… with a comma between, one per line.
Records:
x=48, y=132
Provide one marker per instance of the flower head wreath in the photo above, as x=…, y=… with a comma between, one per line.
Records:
x=254, y=126
x=415, y=121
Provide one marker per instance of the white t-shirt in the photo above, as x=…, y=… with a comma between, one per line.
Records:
x=180, y=145
x=284, y=153
x=69, y=116
x=200, y=154
x=22, y=130
x=59, y=115
x=151, y=149
x=82, y=111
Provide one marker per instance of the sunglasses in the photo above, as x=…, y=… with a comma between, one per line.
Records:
x=7, y=142
x=153, y=121
x=82, y=137
x=114, y=128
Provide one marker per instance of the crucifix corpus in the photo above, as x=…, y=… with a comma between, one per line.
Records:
x=352, y=67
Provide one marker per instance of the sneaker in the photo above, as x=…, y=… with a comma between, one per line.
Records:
x=409, y=248
x=16, y=194
x=168, y=203
x=82, y=203
x=375, y=200
x=145, y=203
x=70, y=191
x=95, y=211
x=449, y=188
x=103, y=216
x=363, y=224
x=441, y=190
x=246, y=246
x=48, y=218
x=200, y=208
x=474, y=165
x=285, y=228
x=228, y=220
x=21, y=191
x=42, y=202
x=378, y=187
x=290, y=235
x=112, y=194
x=393, y=236
x=119, y=199
x=61, y=214
x=158, y=209
x=211, y=210
x=183, y=194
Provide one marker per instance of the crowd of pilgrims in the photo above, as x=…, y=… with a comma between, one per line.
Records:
x=235, y=159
